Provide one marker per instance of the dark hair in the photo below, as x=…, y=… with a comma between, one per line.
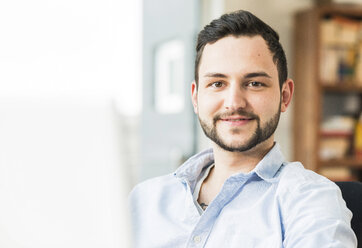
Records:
x=242, y=23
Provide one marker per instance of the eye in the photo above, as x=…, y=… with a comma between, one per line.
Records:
x=217, y=84
x=255, y=84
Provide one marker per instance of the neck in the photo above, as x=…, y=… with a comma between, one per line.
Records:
x=229, y=163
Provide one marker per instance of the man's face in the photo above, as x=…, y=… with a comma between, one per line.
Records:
x=238, y=99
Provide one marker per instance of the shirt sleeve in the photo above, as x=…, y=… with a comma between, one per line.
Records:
x=315, y=215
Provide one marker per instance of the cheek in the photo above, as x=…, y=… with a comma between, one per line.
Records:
x=266, y=106
x=208, y=105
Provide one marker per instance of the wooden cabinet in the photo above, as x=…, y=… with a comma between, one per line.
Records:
x=328, y=89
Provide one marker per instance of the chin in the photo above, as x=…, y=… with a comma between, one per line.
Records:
x=237, y=142
x=237, y=146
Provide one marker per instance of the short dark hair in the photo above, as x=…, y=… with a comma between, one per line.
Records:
x=242, y=23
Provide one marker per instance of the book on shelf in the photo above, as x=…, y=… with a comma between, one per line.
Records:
x=341, y=50
x=329, y=66
x=339, y=31
x=336, y=137
x=358, y=69
x=334, y=147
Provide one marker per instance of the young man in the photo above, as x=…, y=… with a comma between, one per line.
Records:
x=240, y=193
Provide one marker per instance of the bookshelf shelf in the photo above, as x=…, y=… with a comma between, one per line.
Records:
x=343, y=162
x=328, y=80
x=350, y=87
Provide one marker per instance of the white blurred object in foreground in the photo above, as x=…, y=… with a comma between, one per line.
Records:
x=62, y=180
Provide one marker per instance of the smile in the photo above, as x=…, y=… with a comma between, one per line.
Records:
x=236, y=120
x=240, y=119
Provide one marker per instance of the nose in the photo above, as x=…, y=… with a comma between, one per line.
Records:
x=235, y=98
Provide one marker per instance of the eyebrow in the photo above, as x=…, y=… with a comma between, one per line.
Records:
x=247, y=76
x=257, y=74
x=218, y=75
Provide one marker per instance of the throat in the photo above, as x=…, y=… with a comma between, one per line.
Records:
x=208, y=190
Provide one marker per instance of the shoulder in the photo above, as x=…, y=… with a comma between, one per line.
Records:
x=293, y=177
x=300, y=189
x=154, y=189
x=155, y=199
x=312, y=209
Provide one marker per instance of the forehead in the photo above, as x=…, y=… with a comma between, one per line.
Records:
x=241, y=54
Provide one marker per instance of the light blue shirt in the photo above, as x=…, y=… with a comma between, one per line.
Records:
x=278, y=204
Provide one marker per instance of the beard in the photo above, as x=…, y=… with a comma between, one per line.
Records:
x=260, y=134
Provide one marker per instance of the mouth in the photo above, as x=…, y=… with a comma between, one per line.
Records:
x=236, y=120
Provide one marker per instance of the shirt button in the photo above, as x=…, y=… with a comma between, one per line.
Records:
x=197, y=239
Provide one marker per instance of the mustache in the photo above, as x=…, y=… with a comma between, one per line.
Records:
x=235, y=112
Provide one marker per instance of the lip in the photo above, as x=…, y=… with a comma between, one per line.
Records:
x=236, y=120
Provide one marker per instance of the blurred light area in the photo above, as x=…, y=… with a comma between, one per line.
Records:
x=216, y=9
x=72, y=47
x=63, y=180
x=70, y=91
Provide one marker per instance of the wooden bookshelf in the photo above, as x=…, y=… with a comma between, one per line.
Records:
x=342, y=88
x=311, y=89
x=349, y=162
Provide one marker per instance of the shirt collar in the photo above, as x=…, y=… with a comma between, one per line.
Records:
x=266, y=169
x=192, y=168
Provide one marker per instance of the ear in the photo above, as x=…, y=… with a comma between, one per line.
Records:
x=194, y=96
x=286, y=94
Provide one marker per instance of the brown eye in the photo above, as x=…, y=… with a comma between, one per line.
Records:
x=217, y=84
x=255, y=84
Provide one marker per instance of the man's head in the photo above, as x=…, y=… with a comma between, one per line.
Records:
x=240, y=89
x=241, y=23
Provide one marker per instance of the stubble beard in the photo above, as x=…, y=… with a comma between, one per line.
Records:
x=261, y=133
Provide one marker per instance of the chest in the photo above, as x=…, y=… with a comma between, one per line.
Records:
x=247, y=218
x=256, y=226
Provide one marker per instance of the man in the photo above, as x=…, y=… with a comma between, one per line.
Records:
x=240, y=193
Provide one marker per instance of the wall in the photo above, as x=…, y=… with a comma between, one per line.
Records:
x=166, y=138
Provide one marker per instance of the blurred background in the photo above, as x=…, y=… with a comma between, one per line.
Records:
x=95, y=98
